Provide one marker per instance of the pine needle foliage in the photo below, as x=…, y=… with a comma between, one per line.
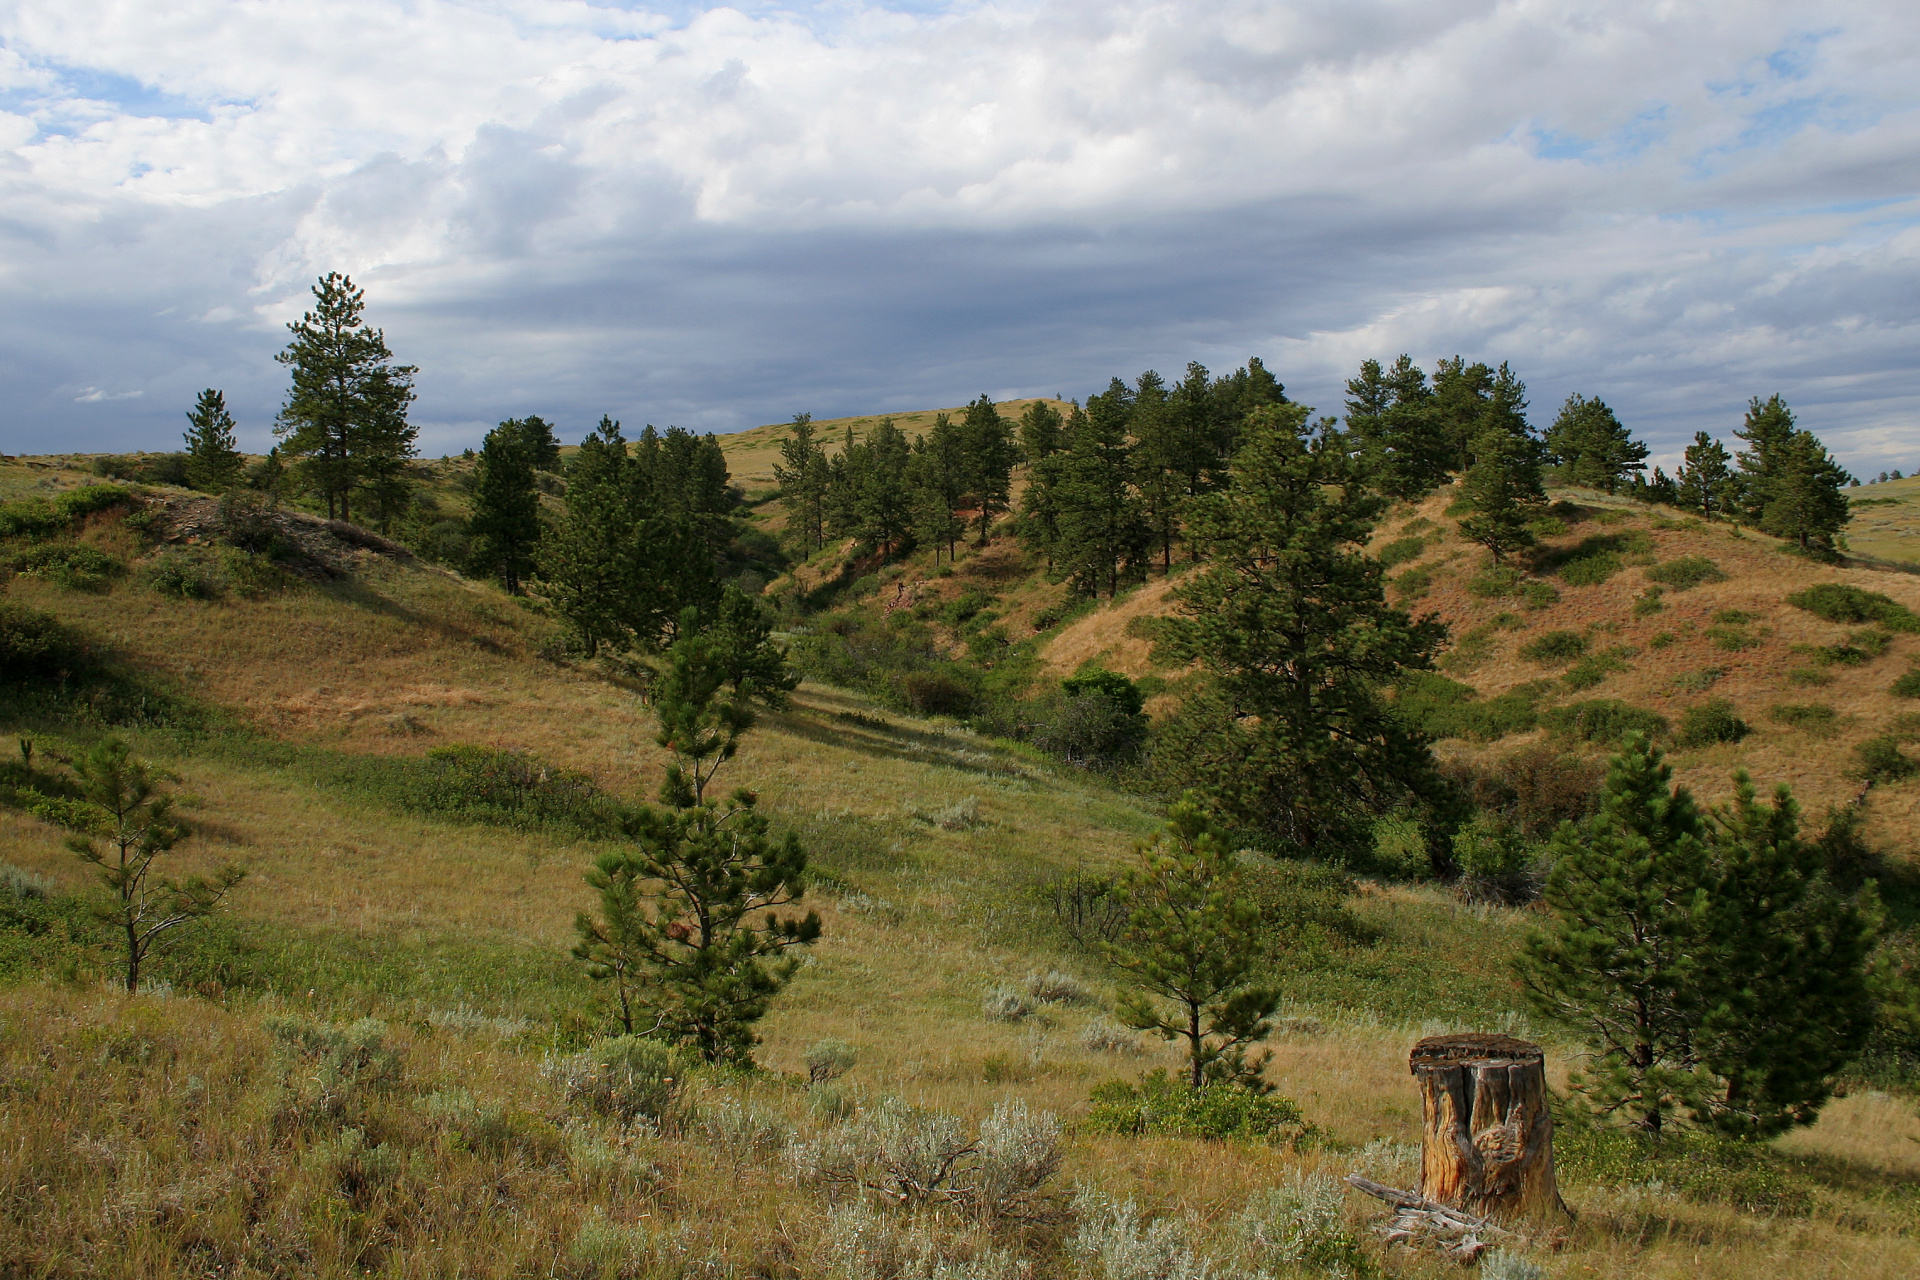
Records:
x=1194, y=948
x=1295, y=741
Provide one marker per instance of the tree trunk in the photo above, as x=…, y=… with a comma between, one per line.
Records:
x=1487, y=1142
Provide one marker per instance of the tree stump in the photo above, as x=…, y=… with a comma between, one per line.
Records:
x=1487, y=1140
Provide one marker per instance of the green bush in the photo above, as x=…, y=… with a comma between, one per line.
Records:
x=36, y=646
x=183, y=577
x=1840, y=602
x=1685, y=573
x=510, y=788
x=1412, y=583
x=1555, y=648
x=1162, y=1105
x=1596, y=667
x=1443, y=708
x=1809, y=717
x=1698, y=1166
x=1710, y=722
x=1496, y=583
x=1650, y=602
x=1590, y=571
x=1881, y=760
x=936, y=693
x=1538, y=595
x=70, y=565
x=1908, y=685
x=1603, y=720
x=1496, y=862
x=1732, y=639
x=627, y=1077
x=1401, y=550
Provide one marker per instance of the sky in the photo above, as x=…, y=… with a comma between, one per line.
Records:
x=717, y=217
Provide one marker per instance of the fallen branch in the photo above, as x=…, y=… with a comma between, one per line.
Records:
x=1418, y=1220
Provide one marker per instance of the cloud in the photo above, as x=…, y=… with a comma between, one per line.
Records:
x=94, y=395
x=721, y=216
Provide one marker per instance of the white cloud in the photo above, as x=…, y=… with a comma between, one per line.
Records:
x=94, y=395
x=719, y=220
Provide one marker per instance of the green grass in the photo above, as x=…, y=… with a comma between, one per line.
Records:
x=1603, y=720
x=1685, y=573
x=1841, y=602
x=1555, y=648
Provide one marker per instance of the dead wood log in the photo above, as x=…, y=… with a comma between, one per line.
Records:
x=1487, y=1136
x=1420, y=1221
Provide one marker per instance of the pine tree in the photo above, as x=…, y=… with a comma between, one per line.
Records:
x=690, y=922
x=804, y=483
x=1625, y=960
x=1289, y=618
x=1502, y=486
x=1590, y=446
x=1706, y=482
x=871, y=498
x=749, y=660
x=1805, y=487
x=126, y=806
x=1103, y=538
x=587, y=562
x=1792, y=1005
x=1236, y=397
x=213, y=461
x=1042, y=431
x=940, y=474
x=1768, y=431
x=1397, y=429
x=505, y=524
x=1718, y=976
x=345, y=416
x=1194, y=946
x=537, y=435
x=991, y=451
x=1159, y=465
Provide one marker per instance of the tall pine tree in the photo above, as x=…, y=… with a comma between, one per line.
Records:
x=1397, y=429
x=1767, y=432
x=941, y=475
x=803, y=474
x=213, y=461
x=1591, y=447
x=1288, y=616
x=1806, y=498
x=587, y=563
x=991, y=450
x=505, y=524
x=1502, y=488
x=345, y=416
x=1706, y=482
x=1103, y=538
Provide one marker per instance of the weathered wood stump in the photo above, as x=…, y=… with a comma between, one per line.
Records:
x=1487, y=1139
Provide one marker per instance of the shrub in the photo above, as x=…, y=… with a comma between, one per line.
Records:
x=1006, y=1004
x=1533, y=789
x=1604, y=720
x=626, y=1077
x=183, y=577
x=1103, y=1035
x=1590, y=571
x=1412, y=583
x=1881, y=760
x=1401, y=550
x=1496, y=864
x=1839, y=602
x=1301, y=1226
x=1501, y=1265
x=1807, y=677
x=1710, y=722
x=936, y=693
x=1732, y=639
x=1698, y=681
x=36, y=646
x=1661, y=640
x=510, y=788
x=920, y=1158
x=70, y=565
x=333, y=1068
x=1908, y=685
x=1055, y=987
x=1538, y=595
x=1554, y=647
x=1650, y=602
x=1162, y=1105
x=829, y=1060
x=1685, y=573
x=1810, y=717
x=38, y=517
x=1596, y=667
x=1112, y=1241
x=1496, y=582
x=1443, y=708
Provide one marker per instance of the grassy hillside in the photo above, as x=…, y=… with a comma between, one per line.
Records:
x=218, y=1130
